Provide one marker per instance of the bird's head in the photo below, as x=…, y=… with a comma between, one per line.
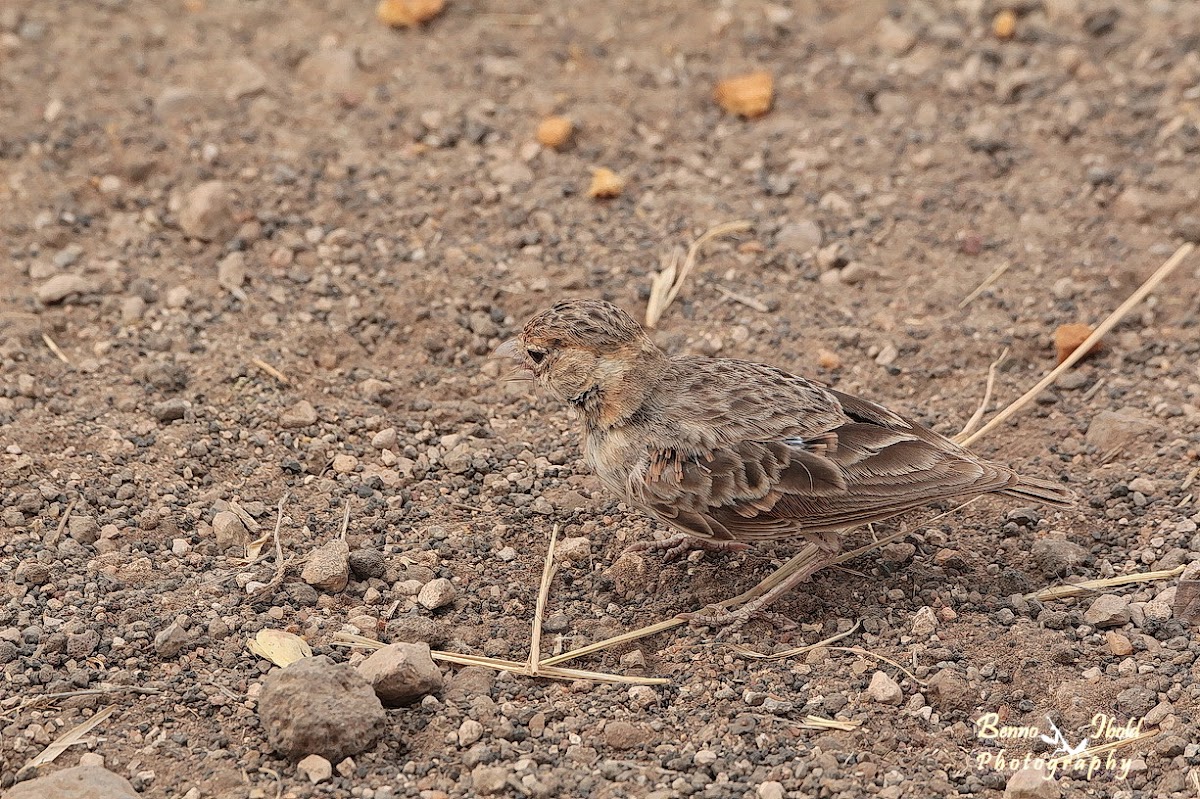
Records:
x=589, y=354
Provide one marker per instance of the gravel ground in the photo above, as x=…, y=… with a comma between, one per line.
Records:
x=256, y=253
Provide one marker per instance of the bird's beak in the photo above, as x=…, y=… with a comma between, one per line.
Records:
x=510, y=349
x=514, y=353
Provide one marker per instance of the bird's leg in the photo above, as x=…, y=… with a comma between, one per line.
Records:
x=681, y=543
x=730, y=621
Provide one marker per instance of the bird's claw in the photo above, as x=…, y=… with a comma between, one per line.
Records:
x=679, y=545
x=726, y=622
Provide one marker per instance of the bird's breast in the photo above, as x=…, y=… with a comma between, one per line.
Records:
x=613, y=455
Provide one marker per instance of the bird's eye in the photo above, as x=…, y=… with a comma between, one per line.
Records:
x=537, y=356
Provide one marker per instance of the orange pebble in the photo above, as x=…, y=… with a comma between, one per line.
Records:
x=748, y=95
x=1067, y=339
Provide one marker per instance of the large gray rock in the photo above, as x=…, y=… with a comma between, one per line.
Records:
x=80, y=782
x=317, y=707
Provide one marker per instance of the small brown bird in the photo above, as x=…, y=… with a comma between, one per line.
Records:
x=730, y=452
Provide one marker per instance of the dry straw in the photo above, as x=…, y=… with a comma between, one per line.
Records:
x=665, y=285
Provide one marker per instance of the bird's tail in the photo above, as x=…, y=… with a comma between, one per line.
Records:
x=1031, y=488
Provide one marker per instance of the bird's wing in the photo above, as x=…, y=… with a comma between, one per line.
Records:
x=831, y=462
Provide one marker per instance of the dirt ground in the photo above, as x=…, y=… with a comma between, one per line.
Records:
x=215, y=212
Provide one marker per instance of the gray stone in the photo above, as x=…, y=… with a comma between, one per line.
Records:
x=302, y=414
x=367, y=563
x=60, y=287
x=1031, y=783
x=437, y=594
x=328, y=567
x=402, y=673
x=884, y=689
x=1058, y=556
x=316, y=768
x=949, y=691
x=230, y=531
x=171, y=641
x=170, y=410
x=206, y=212
x=800, y=237
x=80, y=782
x=317, y=707
x=1108, y=610
x=1112, y=429
x=83, y=529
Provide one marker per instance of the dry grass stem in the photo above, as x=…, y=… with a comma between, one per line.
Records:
x=103, y=691
x=1094, y=390
x=858, y=650
x=345, y=520
x=58, y=353
x=665, y=285
x=1191, y=478
x=742, y=299
x=271, y=370
x=1092, y=586
x=617, y=640
x=973, y=422
x=251, y=523
x=67, y=740
x=539, y=611
x=987, y=281
x=799, y=650
x=1083, y=349
x=280, y=565
x=820, y=723
x=551, y=672
x=62, y=523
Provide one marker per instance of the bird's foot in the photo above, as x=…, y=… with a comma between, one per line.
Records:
x=726, y=622
x=681, y=544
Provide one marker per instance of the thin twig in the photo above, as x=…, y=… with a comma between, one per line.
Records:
x=66, y=740
x=799, y=650
x=742, y=299
x=280, y=565
x=1187, y=481
x=271, y=370
x=1091, y=586
x=346, y=520
x=62, y=356
x=1094, y=390
x=1083, y=349
x=62, y=523
x=858, y=650
x=115, y=689
x=499, y=664
x=665, y=285
x=973, y=422
x=535, y=637
x=987, y=281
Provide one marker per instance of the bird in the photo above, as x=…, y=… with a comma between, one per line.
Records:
x=729, y=453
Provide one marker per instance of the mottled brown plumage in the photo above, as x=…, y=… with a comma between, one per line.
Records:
x=730, y=451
